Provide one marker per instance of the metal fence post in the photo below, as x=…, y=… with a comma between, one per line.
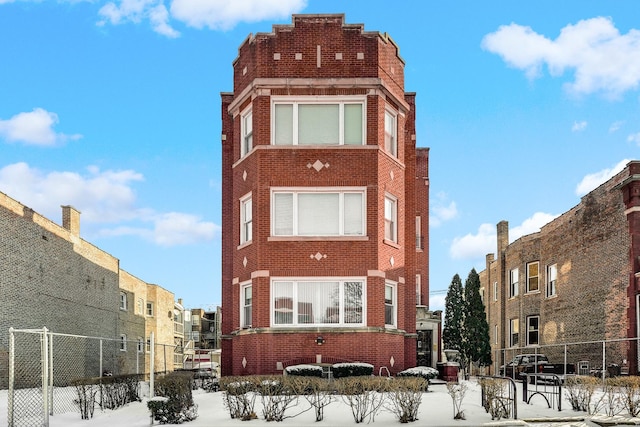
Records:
x=11, y=376
x=604, y=360
x=44, y=340
x=152, y=366
x=50, y=343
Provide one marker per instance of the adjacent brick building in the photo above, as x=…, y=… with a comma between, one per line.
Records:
x=325, y=201
x=577, y=280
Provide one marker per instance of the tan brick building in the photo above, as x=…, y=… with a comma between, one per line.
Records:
x=576, y=280
x=325, y=201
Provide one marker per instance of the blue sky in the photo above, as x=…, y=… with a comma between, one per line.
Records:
x=114, y=108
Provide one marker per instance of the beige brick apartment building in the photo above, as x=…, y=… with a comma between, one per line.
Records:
x=53, y=278
x=325, y=202
x=577, y=280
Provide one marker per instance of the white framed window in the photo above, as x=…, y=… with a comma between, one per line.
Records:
x=149, y=308
x=123, y=301
x=390, y=305
x=317, y=302
x=495, y=334
x=123, y=342
x=246, y=309
x=148, y=346
x=552, y=277
x=391, y=218
x=246, y=219
x=533, y=330
x=418, y=289
x=390, y=132
x=514, y=331
x=140, y=306
x=318, y=212
x=514, y=282
x=246, y=144
x=419, y=237
x=533, y=273
x=495, y=291
x=318, y=120
x=140, y=345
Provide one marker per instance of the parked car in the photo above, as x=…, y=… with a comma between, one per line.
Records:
x=523, y=364
x=203, y=374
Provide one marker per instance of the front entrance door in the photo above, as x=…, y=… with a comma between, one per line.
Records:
x=425, y=344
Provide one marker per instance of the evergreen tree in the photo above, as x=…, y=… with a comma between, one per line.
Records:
x=452, y=331
x=476, y=329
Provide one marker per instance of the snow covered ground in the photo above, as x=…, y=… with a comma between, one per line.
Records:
x=436, y=410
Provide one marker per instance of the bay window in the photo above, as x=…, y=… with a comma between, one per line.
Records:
x=390, y=219
x=246, y=219
x=247, y=133
x=390, y=305
x=318, y=121
x=390, y=131
x=321, y=212
x=300, y=303
x=246, y=308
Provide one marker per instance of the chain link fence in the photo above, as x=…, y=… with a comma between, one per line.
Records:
x=43, y=366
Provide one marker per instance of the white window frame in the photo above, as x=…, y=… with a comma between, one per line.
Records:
x=514, y=282
x=419, y=236
x=246, y=124
x=341, y=191
x=391, y=133
x=140, y=345
x=495, y=334
x=244, y=307
x=246, y=219
x=341, y=101
x=123, y=342
x=391, y=218
x=149, y=309
x=148, y=346
x=533, y=329
x=140, y=306
x=391, y=289
x=514, y=332
x=495, y=291
x=533, y=278
x=418, y=289
x=552, y=280
x=123, y=301
x=341, y=323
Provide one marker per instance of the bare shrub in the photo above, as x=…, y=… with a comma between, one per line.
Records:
x=496, y=398
x=240, y=396
x=278, y=394
x=319, y=393
x=579, y=390
x=609, y=401
x=364, y=395
x=629, y=388
x=86, y=388
x=457, y=392
x=404, y=396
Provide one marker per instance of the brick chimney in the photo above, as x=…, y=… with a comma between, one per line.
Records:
x=71, y=220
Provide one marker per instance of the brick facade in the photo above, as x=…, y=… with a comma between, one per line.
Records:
x=592, y=247
x=319, y=57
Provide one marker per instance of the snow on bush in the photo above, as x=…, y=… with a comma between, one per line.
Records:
x=304, y=370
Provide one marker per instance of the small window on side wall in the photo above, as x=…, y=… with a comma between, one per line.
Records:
x=246, y=144
x=552, y=277
x=390, y=133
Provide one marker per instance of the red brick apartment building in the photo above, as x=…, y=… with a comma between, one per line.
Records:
x=325, y=202
x=575, y=281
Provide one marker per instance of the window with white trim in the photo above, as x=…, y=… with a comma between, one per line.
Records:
x=390, y=305
x=123, y=301
x=318, y=121
x=247, y=133
x=140, y=345
x=418, y=289
x=514, y=331
x=391, y=218
x=302, y=303
x=533, y=330
x=419, y=237
x=148, y=346
x=318, y=212
x=495, y=291
x=246, y=309
x=552, y=277
x=140, y=306
x=390, y=132
x=246, y=219
x=514, y=284
x=533, y=272
x=495, y=334
x=123, y=342
x=150, y=308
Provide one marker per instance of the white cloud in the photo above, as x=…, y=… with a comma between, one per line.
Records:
x=441, y=210
x=579, y=126
x=615, y=126
x=103, y=197
x=592, y=181
x=634, y=137
x=212, y=14
x=603, y=60
x=34, y=128
x=477, y=246
x=224, y=14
